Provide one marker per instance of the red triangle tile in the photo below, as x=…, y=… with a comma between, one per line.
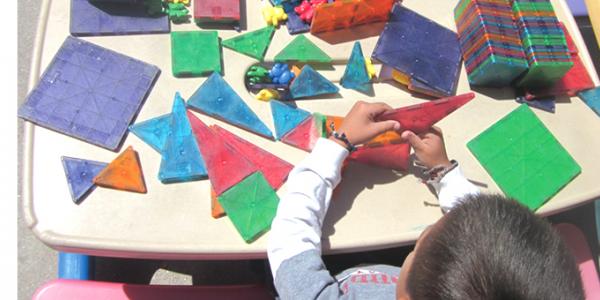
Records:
x=226, y=167
x=304, y=136
x=394, y=156
x=419, y=118
x=273, y=168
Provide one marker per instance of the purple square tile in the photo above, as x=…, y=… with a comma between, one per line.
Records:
x=89, y=101
x=114, y=18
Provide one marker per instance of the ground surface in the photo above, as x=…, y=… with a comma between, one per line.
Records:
x=38, y=263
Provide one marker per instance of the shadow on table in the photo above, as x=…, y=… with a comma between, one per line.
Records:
x=356, y=178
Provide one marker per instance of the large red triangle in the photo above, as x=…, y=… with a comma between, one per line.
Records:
x=393, y=156
x=123, y=173
x=420, y=117
x=273, y=168
x=304, y=136
x=226, y=167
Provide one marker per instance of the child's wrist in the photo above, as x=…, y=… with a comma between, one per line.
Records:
x=436, y=173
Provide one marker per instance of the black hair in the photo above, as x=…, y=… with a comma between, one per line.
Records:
x=491, y=247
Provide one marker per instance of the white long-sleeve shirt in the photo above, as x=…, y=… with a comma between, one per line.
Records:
x=297, y=226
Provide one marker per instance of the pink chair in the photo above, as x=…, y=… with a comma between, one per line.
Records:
x=65, y=289
x=579, y=247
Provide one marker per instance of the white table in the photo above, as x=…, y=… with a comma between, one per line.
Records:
x=373, y=209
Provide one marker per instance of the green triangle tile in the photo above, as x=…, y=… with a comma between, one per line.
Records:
x=251, y=206
x=253, y=44
x=302, y=49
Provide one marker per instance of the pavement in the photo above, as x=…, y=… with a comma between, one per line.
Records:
x=38, y=264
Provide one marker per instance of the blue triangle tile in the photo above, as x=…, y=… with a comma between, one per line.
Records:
x=286, y=117
x=80, y=175
x=181, y=158
x=153, y=132
x=356, y=76
x=546, y=104
x=217, y=99
x=310, y=83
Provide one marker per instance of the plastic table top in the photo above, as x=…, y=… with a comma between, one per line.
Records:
x=373, y=208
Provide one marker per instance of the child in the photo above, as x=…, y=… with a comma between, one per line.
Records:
x=485, y=246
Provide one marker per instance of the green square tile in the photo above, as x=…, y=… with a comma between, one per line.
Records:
x=195, y=53
x=251, y=206
x=524, y=158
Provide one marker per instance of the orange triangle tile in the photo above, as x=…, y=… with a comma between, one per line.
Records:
x=216, y=210
x=123, y=173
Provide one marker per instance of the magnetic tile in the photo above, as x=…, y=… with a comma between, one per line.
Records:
x=123, y=173
x=80, y=175
x=356, y=76
x=220, y=11
x=419, y=118
x=90, y=18
x=524, y=158
x=195, y=53
x=310, y=83
x=286, y=117
x=153, y=131
x=305, y=135
x=592, y=99
x=272, y=167
x=253, y=44
x=394, y=156
x=90, y=93
x=226, y=167
x=251, y=206
x=217, y=99
x=301, y=49
x=181, y=160
x=438, y=67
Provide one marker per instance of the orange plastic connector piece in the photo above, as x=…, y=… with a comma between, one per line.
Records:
x=124, y=173
x=348, y=13
x=216, y=210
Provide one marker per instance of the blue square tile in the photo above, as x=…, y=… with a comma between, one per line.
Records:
x=81, y=93
x=420, y=48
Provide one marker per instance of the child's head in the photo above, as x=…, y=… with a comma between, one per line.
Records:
x=490, y=247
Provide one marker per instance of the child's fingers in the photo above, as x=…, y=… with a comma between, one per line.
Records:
x=384, y=126
x=379, y=108
x=413, y=140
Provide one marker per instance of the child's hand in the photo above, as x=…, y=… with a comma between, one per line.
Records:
x=360, y=125
x=429, y=147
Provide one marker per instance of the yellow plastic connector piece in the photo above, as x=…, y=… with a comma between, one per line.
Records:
x=274, y=15
x=267, y=95
x=370, y=68
x=185, y=2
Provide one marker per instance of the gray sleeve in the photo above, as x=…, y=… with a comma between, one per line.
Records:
x=304, y=276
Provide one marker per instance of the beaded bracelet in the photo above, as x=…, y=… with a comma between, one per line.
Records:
x=435, y=174
x=342, y=137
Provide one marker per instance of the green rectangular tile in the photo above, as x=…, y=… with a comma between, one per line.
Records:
x=524, y=158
